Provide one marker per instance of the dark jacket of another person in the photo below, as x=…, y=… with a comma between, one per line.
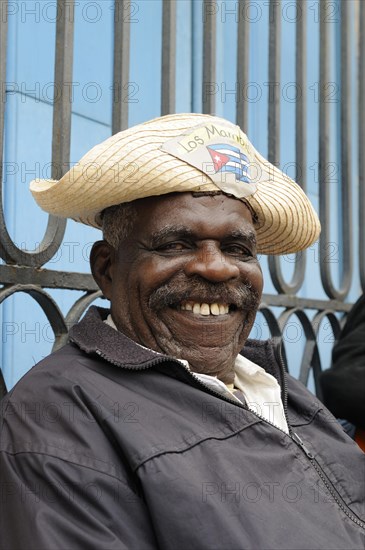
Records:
x=343, y=385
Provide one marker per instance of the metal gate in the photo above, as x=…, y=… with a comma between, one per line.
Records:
x=22, y=271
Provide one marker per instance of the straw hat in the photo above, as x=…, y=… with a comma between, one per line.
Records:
x=180, y=153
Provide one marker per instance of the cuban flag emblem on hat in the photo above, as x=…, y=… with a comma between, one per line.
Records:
x=227, y=158
x=222, y=153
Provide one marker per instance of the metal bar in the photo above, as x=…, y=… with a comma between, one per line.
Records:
x=324, y=153
x=60, y=143
x=301, y=154
x=168, y=84
x=47, y=278
x=274, y=82
x=122, y=18
x=78, y=308
x=47, y=303
x=310, y=358
x=274, y=138
x=74, y=315
x=361, y=133
x=346, y=149
x=306, y=362
x=280, y=300
x=301, y=103
x=271, y=321
x=316, y=360
x=61, y=131
x=3, y=52
x=243, y=44
x=4, y=235
x=336, y=324
x=324, y=140
x=274, y=117
x=209, y=57
x=44, y=252
x=316, y=370
x=61, y=139
x=309, y=333
x=282, y=286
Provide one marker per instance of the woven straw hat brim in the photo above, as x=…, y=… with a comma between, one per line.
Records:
x=130, y=165
x=287, y=221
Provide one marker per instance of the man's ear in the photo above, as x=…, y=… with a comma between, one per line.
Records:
x=102, y=258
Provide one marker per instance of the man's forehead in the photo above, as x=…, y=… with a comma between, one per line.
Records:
x=188, y=214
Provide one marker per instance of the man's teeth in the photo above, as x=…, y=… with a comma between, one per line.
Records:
x=205, y=309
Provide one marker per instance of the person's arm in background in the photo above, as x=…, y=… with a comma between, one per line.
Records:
x=343, y=384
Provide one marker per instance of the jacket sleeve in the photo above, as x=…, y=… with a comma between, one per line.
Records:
x=49, y=503
x=343, y=385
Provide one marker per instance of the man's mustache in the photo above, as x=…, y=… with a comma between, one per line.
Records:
x=175, y=292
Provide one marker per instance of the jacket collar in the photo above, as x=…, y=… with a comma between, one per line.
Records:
x=94, y=336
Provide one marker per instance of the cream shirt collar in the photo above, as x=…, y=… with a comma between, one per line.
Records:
x=261, y=390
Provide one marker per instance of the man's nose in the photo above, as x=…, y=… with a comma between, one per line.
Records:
x=210, y=263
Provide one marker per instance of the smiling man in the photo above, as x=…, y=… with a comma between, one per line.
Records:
x=160, y=425
x=186, y=281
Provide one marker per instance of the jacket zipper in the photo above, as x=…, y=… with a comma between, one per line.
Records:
x=328, y=484
x=280, y=360
x=293, y=435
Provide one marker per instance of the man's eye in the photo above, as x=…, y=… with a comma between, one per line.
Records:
x=171, y=247
x=238, y=250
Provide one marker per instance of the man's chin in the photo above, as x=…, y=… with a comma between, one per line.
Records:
x=215, y=361
x=205, y=332
x=209, y=344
